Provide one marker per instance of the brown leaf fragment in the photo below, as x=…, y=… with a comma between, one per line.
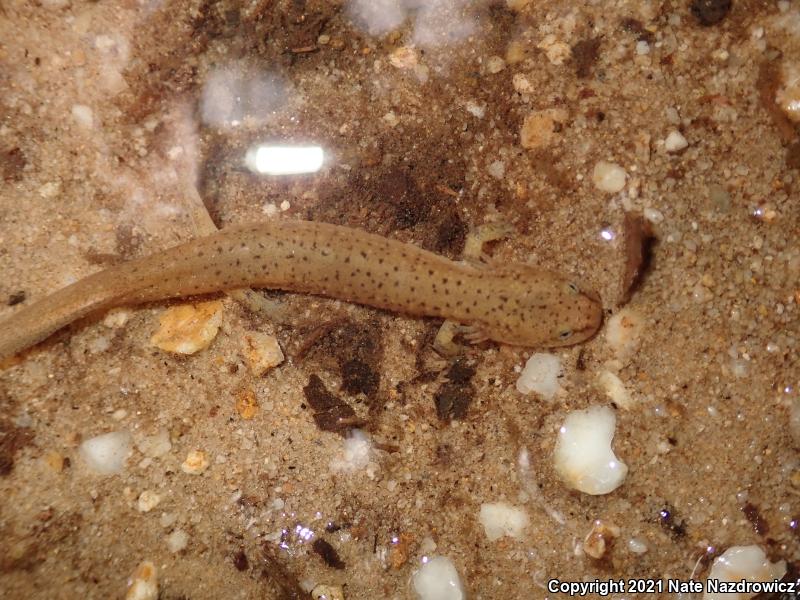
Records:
x=327, y=553
x=638, y=237
x=330, y=412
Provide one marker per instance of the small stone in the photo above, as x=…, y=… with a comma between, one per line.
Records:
x=327, y=592
x=540, y=375
x=262, y=352
x=188, y=328
x=501, y=519
x=475, y=109
x=623, y=332
x=55, y=461
x=710, y=12
x=106, y=454
x=155, y=446
x=788, y=94
x=497, y=169
x=143, y=583
x=404, y=57
x=642, y=48
x=177, y=541
x=51, y=189
x=596, y=543
x=515, y=52
x=539, y=129
x=609, y=177
x=637, y=546
x=116, y=318
x=675, y=141
x=246, y=403
x=521, y=84
x=583, y=456
x=324, y=39
x=83, y=115
x=653, y=215
x=556, y=51
x=615, y=390
x=148, y=500
x=495, y=64
x=438, y=579
x=196, y=463
x=390, y=119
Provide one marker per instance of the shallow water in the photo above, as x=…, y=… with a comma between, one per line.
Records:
x=126, y=125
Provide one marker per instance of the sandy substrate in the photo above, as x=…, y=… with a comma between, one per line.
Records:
x=123, y=122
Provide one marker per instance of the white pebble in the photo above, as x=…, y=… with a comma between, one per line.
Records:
x=521, y=84
x=675, y=141
x=642, y=48
x=196, y=463
x=499, y=519
x=177, y=540
x=155, y=446
x=637, y=546
x=148, y=500
x=391, y=119
x=143, y=584
x=609, y=177
x=653, y=215
x=475, y=109
x=83, y=115
x=497, y=169
x=540, y=375
x=262, y=351
x=623, y=332
x=355, y=454
x=583, y=455
x=742, y=562
x=438, y=579
x=106, y=454
x=495, y=64
x=615, y=389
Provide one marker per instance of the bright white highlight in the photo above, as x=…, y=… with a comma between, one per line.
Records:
x=285, y=160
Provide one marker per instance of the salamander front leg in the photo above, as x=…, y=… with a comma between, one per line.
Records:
x=445, y=343
x=489, y=232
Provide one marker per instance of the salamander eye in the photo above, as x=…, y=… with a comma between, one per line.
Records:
x=573, y=288
x=565, y=334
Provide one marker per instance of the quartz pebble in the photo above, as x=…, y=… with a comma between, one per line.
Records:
x=540, y=375
x=609, y=177
x=188, y=328
x=196, y=463
x=743, y=562
x=83, y=115
x=615, y=389
x=500, y=519
x=438, y=579
x=148, y=500
x=598, y=539
x=788, y=95
x=177, y=541
x=623, y=332
x=324, y=591
x=143, y=583
x=156, y=445
x=583, y=455
x=675, y=142
x=106, y=454
x=539, y=128
x=495, y=64
x=262, y=352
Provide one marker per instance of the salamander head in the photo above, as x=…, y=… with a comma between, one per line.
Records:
x=549, y=312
